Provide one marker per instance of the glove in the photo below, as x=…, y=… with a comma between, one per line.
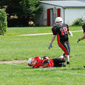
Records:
x=78, y=40
x=50, y=46
x=71, y=34
x=45, y=57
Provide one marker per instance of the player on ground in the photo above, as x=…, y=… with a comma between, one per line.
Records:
x=38, y=62
x=61, y=30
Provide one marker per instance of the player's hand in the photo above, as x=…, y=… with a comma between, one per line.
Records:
x=45, y=57
x=50, y=46
x=78, y=40
x=71, y=34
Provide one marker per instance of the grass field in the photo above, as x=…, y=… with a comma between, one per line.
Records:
x=13, y=47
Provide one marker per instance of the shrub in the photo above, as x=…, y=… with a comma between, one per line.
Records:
x=3, y=22
x=77, y=22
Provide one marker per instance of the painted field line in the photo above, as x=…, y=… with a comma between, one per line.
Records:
x=43, y=33
x=35, y=34
x=50, y=69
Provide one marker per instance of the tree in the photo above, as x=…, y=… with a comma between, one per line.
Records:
x=23, y=9
x=3, y=22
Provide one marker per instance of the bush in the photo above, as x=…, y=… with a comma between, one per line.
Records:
x=77, y=22
x=3, y=22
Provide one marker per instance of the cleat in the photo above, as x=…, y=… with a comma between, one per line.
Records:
x=68, y=62
x=63, y=65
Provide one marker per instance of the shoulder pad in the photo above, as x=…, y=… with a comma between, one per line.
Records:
x=54, y=28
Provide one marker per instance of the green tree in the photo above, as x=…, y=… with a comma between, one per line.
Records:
x=3, y=22
x=23, y=9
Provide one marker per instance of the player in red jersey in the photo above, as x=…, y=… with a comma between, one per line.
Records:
x=83, y=26
x=62, y=31
x=44, y=62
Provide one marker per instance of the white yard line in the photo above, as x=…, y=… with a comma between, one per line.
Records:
x=44, y=33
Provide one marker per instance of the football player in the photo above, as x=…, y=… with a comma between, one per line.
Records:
x=44, y=62
x=61, y=30
x=83, y=26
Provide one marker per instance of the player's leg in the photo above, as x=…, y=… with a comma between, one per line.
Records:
x=59, y=60
x=60, y=65
x=66, y=48
x=67, y=59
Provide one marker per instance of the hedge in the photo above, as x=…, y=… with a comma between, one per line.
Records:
x=3, y=22
x=77, y=22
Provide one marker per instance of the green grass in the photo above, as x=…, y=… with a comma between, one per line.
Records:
x=27, y=30
x=33, y=30
x=14, y=47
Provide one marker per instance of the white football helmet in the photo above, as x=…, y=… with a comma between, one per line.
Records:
x=58, y=19
x=29, y=61
x=83, y=20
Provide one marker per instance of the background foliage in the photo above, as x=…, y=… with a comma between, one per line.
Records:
x=77, y=22
x=20, y=12
x=3, y=22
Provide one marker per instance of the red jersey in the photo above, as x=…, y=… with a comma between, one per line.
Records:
x=41, y=62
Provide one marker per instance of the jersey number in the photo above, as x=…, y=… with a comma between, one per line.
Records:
x=64, y=31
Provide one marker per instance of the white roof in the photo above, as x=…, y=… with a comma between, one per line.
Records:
x=66, y=3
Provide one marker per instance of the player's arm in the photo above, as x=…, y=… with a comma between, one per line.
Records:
x=45, y=65
x=83, y=37
x=46, y=60
x=83, y=26
x=53, y=38
x=70, y=33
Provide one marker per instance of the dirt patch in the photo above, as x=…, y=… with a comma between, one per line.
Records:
x=44, y=33
x=14, y=61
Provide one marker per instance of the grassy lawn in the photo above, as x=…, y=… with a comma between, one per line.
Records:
x=33, y=30
x=14, y=47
